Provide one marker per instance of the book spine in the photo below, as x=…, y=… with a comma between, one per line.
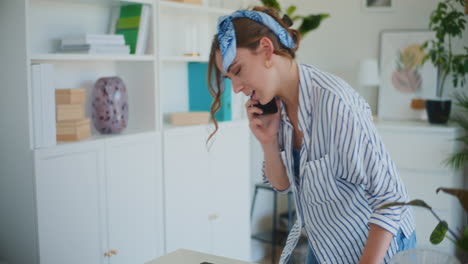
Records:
x=48, y=95
x=36, y=105
x=142, y=37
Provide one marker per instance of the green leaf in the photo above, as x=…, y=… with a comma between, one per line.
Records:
x=461, y=194
x=311, y=22
x=462, y=242
x=291, y=10
x=271, y=3
x=416, y=202
x=439, y=233
x=295, y=18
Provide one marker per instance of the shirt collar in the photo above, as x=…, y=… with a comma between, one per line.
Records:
x=304, y=107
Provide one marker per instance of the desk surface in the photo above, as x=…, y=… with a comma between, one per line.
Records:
x=184, y=256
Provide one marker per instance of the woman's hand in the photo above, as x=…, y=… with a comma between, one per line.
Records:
x=264, y=127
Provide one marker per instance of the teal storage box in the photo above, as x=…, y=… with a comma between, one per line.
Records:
x=199, y=96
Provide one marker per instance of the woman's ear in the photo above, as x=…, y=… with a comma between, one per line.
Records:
x=265, y=47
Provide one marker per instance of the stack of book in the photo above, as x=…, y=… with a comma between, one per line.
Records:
x=95, y=44
x=72, y=125
x=133, y=22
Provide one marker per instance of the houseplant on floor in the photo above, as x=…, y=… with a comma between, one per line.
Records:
x=448, y=22
x=442, y=230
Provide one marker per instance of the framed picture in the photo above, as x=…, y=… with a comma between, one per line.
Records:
x=378, y=5
x=404, y=81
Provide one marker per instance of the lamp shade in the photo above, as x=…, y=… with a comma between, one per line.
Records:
x=368, y=72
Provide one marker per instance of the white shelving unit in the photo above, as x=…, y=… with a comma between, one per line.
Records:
x=77, y=202
x=38, y=58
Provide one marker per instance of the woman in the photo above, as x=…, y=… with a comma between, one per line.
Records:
x=321, y=144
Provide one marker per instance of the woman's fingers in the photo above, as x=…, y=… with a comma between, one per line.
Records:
x=251, y=109
x=254, y=110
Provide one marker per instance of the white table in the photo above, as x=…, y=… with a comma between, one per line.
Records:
x=184, y=256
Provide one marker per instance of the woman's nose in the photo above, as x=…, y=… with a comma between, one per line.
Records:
x=237, y=86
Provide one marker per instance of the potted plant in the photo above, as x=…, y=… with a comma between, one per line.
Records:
x=309, y=22
x=442, y=230
x=459, y=159
x=448, y=22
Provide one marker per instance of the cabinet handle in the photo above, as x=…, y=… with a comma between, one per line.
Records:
x=114, y=252
x=213, y=217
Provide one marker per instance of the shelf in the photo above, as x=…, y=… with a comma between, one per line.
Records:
x=97, y=137
x=196, y=8
x=102, y=2
x=183, y=59
x=90, y=57
x=209, y=128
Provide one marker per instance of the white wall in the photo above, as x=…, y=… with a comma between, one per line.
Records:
x=337, y=46
x=18, y=240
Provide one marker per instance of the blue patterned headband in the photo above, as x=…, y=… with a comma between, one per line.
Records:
x=227, y=36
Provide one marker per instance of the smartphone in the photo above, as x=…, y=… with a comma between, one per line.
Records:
x=269, y=108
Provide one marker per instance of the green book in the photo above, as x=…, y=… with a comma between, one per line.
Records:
x=130, y=10
x=130, y=36
x=128, y=24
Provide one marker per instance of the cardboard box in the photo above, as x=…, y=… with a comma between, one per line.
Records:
x=189, y=118
x=73, y=130
x=193, y=2
x=69, y=112
x=70, y=96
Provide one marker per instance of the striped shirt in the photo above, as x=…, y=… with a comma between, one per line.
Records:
x=345, y=172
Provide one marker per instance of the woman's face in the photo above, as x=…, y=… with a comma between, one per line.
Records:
x=250, y=75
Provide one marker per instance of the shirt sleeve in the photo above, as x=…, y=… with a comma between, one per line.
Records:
x=363, y=160
x=265, y=179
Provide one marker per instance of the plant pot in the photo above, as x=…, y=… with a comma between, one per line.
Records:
x=438, y=110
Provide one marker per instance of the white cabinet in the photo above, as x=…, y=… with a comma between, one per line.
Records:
x=134, y=195
x=419, y=151
x=70, y=196
x=98, y=202
x=207, y=191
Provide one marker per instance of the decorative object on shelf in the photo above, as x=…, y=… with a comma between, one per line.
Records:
x=369, y=81
x=72, y=124
x=378, y=5
x=189, y=118
x=442, y=230
x=110, y=105
x=404, y=79
x=460, y=159
x=448, y=23
x=309, y=22
x=133, y=23
x=43, y=105
x=199, y=96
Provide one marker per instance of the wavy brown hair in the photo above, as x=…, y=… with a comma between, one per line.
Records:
x=248, y=34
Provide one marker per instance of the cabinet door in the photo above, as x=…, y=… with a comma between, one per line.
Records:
x=69, y=204
x=230, y=177
x=188, y=190
x=133, y=170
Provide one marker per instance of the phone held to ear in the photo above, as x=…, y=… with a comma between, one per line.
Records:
x=269, y=108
